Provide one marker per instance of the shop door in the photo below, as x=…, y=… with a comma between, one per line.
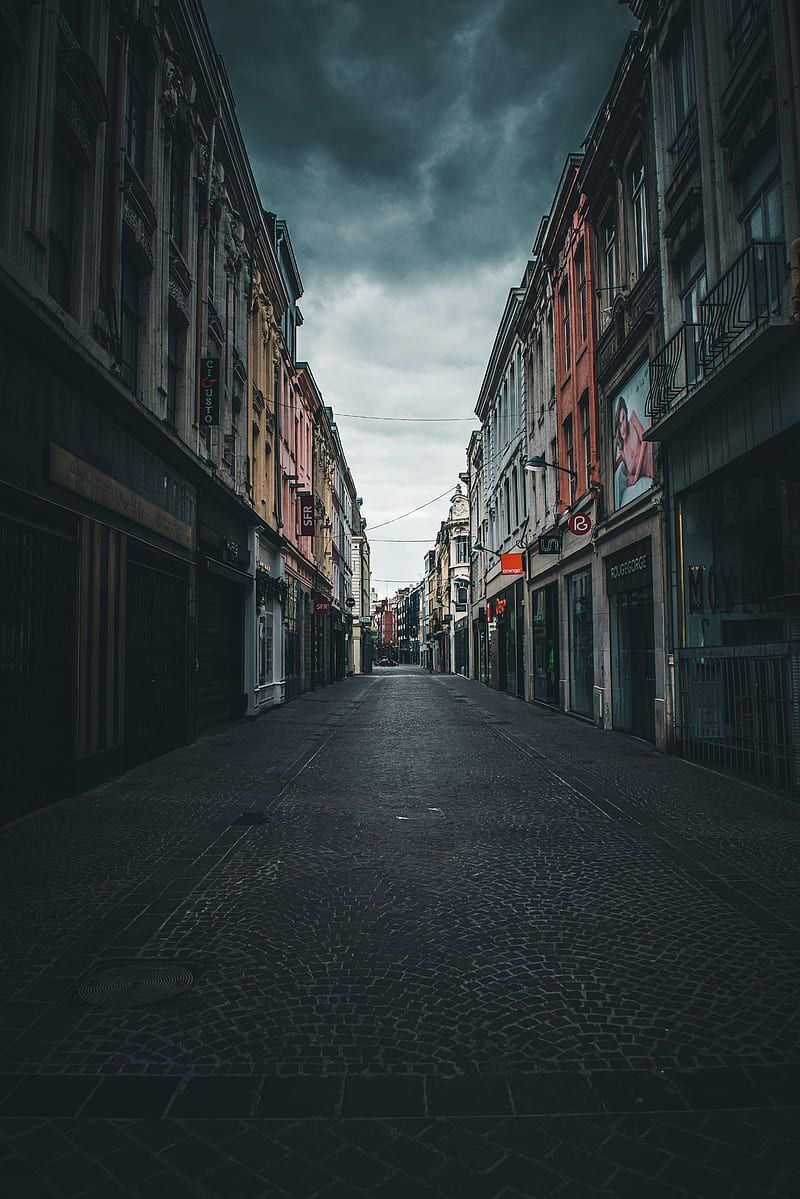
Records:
x=155, y=662
x=37, y=636
x=633, y=663
x=546, y=665
x=220, y=687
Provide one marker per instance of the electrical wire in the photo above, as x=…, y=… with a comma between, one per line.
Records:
x=427, y=504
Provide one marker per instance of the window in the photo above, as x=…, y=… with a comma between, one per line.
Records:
x=213, y=233
x=461, y=549
x=540, y=387
x=174, y=369
x=136, y=109
x=565, y=323
x=745, y=16
x=764, y=221
x=235, y=313
x=610, y=259
x=177, y=193
x=586, y=434
x=129, y=320
x=72, y=12
x=569, y=449
x=556, y=473
x=681, y=73
x=580, y=272
x=507, y=506
x=515, y=489
x=693, y=291
x=62, y=232
x=639, y=209
x=264, y=648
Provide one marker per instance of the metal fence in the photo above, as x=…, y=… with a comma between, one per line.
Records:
x=734, y=711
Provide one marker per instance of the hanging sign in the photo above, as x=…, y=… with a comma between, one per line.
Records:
x=322, y=606
x=306, y=514
x=511, y=564
x=209, y=392
x=579, y=523
x=550, y=543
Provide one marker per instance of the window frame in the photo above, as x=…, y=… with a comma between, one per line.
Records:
x=566, y=320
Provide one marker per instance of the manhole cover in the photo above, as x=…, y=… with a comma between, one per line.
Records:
x=130, y=984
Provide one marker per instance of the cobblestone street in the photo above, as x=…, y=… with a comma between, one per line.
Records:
x=437, y=942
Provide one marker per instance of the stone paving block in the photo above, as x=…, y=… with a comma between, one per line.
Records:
x=300, y=1097
x=536, y=1094
x=468, y=1095
x=130, y=1096
x=49, y=1095
x=387, y=1095
x=215, y=1096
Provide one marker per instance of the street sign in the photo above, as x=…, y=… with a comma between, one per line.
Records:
x=511, y=564
x=550, y=543
x=579, y=523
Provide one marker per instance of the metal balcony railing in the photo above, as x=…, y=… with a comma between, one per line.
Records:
x=747, y=295
x=675, y=370
x=750, y=294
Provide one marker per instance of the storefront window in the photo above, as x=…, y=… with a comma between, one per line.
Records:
x=264, y=648
x=735, y=561
x=545, y=645
x=581, y=642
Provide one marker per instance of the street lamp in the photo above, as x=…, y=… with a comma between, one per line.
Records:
x=537, y=466
x=476, y=545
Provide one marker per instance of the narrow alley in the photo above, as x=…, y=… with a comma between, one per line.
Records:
x=403, y=937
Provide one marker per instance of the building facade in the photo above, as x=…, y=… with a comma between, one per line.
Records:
x=502, y=492
x=724, y=389
x=150, y=306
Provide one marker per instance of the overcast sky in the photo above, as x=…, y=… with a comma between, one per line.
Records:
x=412, y=147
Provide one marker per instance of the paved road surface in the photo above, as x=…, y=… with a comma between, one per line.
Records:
x=426, y=941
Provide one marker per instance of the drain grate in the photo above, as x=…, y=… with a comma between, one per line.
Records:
x=131, y=984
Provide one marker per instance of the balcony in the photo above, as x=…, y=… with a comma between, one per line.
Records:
x=741, y=319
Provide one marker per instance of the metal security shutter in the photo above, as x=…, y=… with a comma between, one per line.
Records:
x=155, y=666
x=37, y=644
x=219, y=651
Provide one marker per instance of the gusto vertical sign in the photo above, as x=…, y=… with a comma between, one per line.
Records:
x=209, y=392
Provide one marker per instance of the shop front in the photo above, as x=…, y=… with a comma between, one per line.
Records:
x=581, y=642
x=269, y=588
x=545, y=627
x=225, y=585
x=629, y=588
x=738, y=618
x=506, y=613
x=480, y=647
x=321, y=641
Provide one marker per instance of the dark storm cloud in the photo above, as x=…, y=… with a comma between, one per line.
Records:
x=412, y=146
x=460, y=112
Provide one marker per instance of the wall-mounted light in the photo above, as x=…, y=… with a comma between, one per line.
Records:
x=537, y=466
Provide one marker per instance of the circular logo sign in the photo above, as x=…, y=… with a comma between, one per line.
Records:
x=579, y=523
